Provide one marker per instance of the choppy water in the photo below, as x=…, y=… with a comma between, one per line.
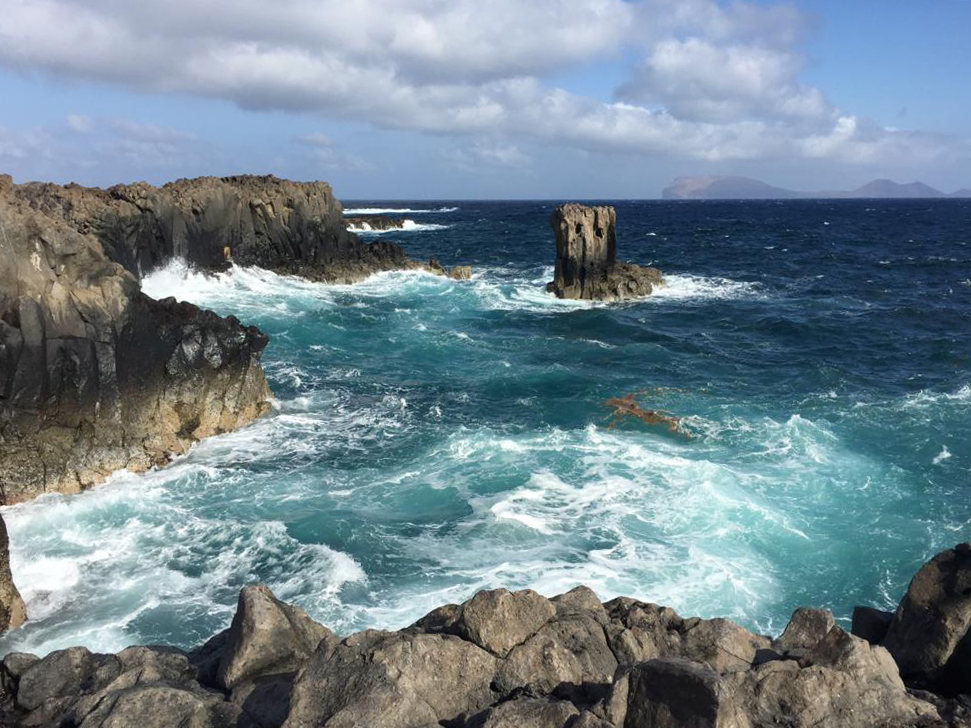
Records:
x=433, y=437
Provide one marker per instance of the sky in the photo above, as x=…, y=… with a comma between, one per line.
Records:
x=453, y=99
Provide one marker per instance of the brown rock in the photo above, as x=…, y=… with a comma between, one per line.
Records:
x=586, y=258
x=498, y=620
x=871, y=624
x=98, y=375
x=928, y=636
x=13, y=613
x=532, y=712
x=267, y=637
x=460, y=272
x=807, y=628
x=392, y=680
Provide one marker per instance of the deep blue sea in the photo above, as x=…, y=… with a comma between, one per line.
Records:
x=431, y=437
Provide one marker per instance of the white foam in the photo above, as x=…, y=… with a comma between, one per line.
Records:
x=395, y=211
x=684, y=287
x=408, y=226
x=943, y=455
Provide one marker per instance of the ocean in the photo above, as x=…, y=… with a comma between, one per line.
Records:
x=431, y=437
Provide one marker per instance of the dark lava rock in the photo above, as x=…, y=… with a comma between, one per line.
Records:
x=871, y=624
x=500, y=660
x=96, y=376
x=929, y=635
x=586, y=258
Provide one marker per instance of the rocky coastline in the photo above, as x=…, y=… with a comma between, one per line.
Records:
x=95, y=376
x=519, y=660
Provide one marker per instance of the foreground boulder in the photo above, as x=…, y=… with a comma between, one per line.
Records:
x=500, y=660
x=930, y=634
x=12, y=610
x=586, y=258
x=96, y=376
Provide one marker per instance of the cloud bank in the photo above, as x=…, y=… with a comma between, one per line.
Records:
x=706, y=80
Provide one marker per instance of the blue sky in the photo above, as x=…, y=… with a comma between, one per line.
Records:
x=459, y=98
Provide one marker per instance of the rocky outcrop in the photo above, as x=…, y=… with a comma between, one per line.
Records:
x=500, y=660
x=12, y=610
x=288, y=227
x=586, y=258
x=456, y=272
x=370, y=223
x=95, y=376
x=930, y=633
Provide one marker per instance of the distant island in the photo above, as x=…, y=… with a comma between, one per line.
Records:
x=745, y=188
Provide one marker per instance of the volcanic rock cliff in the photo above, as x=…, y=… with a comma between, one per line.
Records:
x=288, y=227
x=586, y=258
x=517, y=660
x=95, y=375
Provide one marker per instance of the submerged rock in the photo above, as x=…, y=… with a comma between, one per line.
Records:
x=586, y=258
x=367, y=223
x=13, y=613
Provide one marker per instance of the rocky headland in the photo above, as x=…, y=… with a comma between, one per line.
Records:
x=95, y=376
x=586, y=258
x=519, y=660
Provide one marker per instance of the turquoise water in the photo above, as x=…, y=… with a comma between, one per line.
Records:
x=430, y=438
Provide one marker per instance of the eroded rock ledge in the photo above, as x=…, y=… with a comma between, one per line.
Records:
x=586, y=258
x=517, y=660
x=288, y=227
x=95, y=375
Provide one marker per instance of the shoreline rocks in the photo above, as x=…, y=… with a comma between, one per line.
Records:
x=289, y=227
x=586, y=258
x=13, y=613
x=95, y=376
x=500, y=660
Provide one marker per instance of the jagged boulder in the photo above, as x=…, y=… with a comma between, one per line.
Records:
x=586, y=258
x=266, y=637
x=392, y=680
x=13, y=613
x=929, y=635
x=843, y=682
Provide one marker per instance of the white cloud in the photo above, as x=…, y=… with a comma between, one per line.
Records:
x=487, y=153
x=79, y=123
x=712, y=80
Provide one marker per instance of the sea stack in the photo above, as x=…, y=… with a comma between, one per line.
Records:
x=586, y=258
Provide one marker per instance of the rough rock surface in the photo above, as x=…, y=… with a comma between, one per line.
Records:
x=288, y=227
x=96, y=376
x=500, y=660
x=12, y=610
x=586, y=258
x=930, y=635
